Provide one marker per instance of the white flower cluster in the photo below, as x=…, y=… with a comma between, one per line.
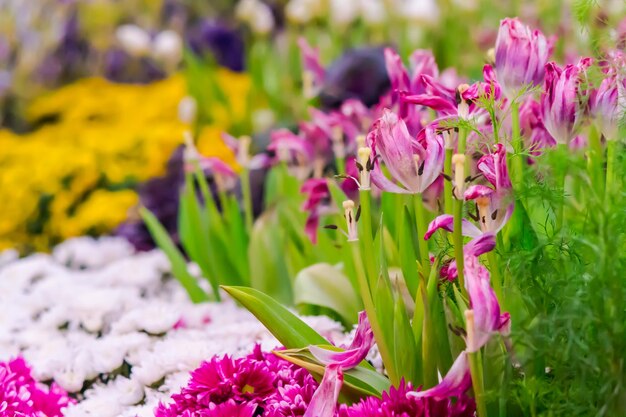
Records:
x=111, y=326
x=165, y=47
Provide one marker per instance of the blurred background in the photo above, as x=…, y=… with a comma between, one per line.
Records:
x=95, y=94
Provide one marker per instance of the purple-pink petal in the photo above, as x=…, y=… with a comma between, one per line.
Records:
x=454, y=384
x=324, y=401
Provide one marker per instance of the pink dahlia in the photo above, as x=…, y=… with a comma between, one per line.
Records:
x=22, y=395
x=395, y=403
x=259, y=384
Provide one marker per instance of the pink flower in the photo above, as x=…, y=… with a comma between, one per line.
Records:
x=484, y=303
x=316, y=204
x=22, y=395
x=521, y=55
x=311, y=63
x=413, y=164
x=324, y=400
x=533, y=129
x=244, y=385
x=561, y=101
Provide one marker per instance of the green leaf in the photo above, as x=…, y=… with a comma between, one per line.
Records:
x=405, y=352
x=177, y=260
x=284, y=325
x=194, y=234
x=324, y=285
x=359, y=381
x=408, y=253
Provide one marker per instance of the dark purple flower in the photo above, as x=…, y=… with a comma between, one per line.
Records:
x=358, y=73
x=222, y=42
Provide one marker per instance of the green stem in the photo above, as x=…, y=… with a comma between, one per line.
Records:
x=341, y=165
x=247, y=199
x=560, y=178
x=366, y=235
x=516, y=139
x=457, y=238
x=368, y=303
x=476, y=370
x=422, y=225
x=447, y=185
x=595, y=161
x=611, y=144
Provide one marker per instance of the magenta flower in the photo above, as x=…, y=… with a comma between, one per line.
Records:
x=324, y=401
x=413, y=164
x=561, y=100
x=454, y=384
x=21, y=395
x=521, y=56
x=311, y=64
x=242, y=387
x=396, y=403
x=316, y=204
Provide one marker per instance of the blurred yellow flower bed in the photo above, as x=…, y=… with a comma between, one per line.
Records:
x=75, y=174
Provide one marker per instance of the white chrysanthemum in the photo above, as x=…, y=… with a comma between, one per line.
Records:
x=133, y=39
x=168, y=48
x=87, y=252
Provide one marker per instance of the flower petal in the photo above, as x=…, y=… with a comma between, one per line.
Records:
x=324, y=400
x=455, y=383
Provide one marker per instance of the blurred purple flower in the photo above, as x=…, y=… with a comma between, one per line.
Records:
x=217, y=39
x=357, y=74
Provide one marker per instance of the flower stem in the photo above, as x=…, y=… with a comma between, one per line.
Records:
x=610, y=165
x=447, y=185
x=368, y=303
x=516, y=141
x=457, y=238
x=422, y=225
x=496, y=278
x=476, y=370
x=560, y=178
x=247, y=199
x=340, y=165
x=366, y=235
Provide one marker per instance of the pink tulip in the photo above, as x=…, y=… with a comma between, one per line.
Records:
x=561, y=100
x=521, y=56
x=414, y=165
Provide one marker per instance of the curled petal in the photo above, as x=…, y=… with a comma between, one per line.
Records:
x=439, y=104
x=355, y=353
x=482, y=244
x=324, y=400
x=475, y=191
x=446, y=222
x=397, y=72
x=454, y=384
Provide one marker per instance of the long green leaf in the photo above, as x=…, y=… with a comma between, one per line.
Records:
x=284, y=325
x=177, y=260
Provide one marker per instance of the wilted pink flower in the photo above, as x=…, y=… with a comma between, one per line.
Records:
x=413, y=164
x=495, y=204
x=521, y=56
x=396, y=403
x=484, y=303
x=561, y=101
x=316, y=204
x=324, y=401
x=22, y=395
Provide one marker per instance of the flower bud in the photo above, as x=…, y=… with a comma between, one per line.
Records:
x=133, y=40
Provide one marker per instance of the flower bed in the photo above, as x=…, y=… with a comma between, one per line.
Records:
x=111, y=328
